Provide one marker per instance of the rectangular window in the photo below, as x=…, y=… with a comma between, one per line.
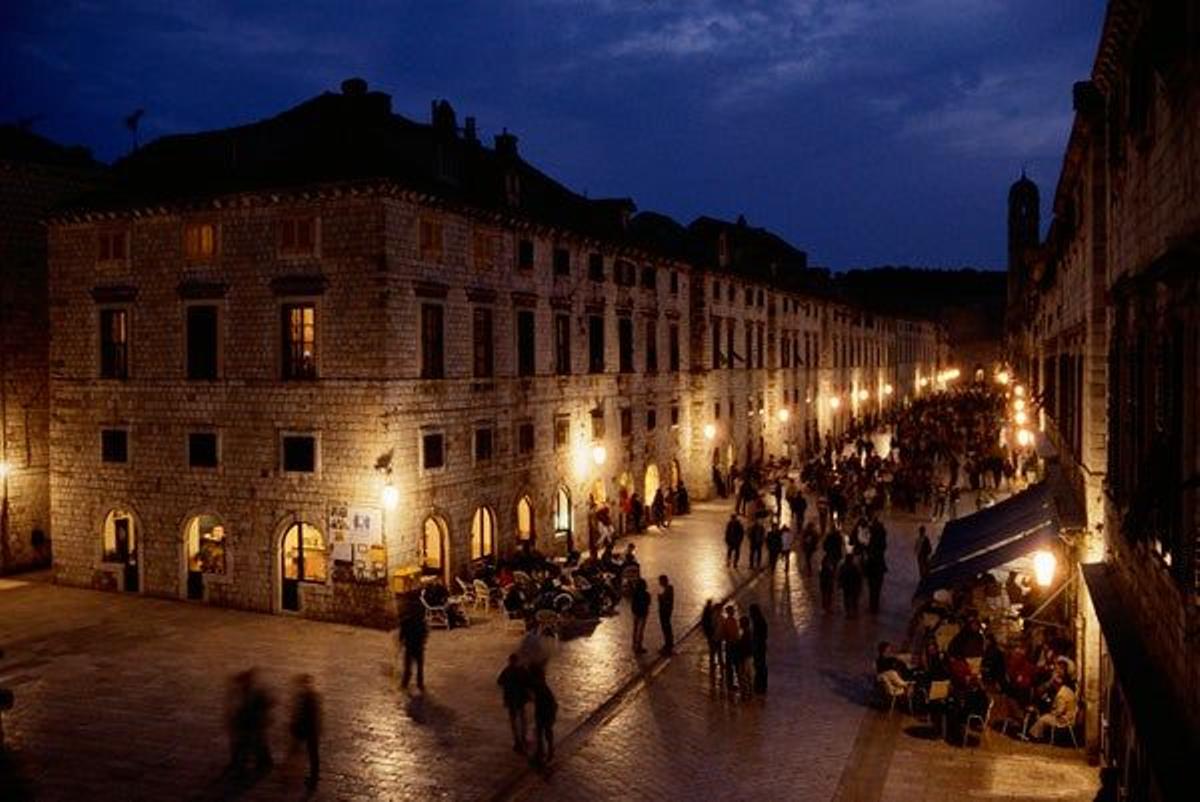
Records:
x=525, y=438
x=202, y=450
x=649, y=277
x=729, y=343
x=526, y=362
x=562, y=430
x=114, y=343
x=785, y=353
x=114, y=446
x=562, y=345
x=625, y=273
x=674, y=414
x=483, y=444
x=595, y=344
x=651, y=419
x=562, y=262
x=299, y=453
x=433, y=451
x=433, y=341
x=673, y=347
x=596, y=266
x=431, y=240
x=525, y=254
x=598, y=423
x=716, y=343
x=483, y=350
x=199, y=241
x=625, y=343
x=651, y=346
x=762, y=336
x=674, y=282
x=298, y=236
x=717, y=410
x=626, y=422
x=299, y=341
x=485, y=247
x=112, y=246
x=749, y=355
x=202, y=346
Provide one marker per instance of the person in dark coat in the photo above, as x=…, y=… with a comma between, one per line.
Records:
x=514, y=687
x=413, y=634
x=834, y=545
x=666, y=607
x=545, y=711
x=710, y=620
x=774, y=546
x=826, y=577
x=306, y=725
x=757, y=535
x=810, y=541
x=850, y=578
x=639, y=604
x=758, y=629
x=876, y=564
x=249, y=719
x=924, y=550
x=734, y=533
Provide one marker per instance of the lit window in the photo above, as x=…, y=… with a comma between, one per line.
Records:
x=119, y=537
x=298, y=236
x=114, y=343
x=206, y=545
x=305, y=557
x=299, y=341
x=433, y=545
x=562, y=513
x=483, y=533
x=199, y=241
x=524, y=519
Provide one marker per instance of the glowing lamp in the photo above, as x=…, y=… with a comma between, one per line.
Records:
x=4, y=469
x=390, y=496
x=863, y=395
x=1019, y=404
x=1019, y=391
x=599, y=455
x=1024, y=438
x=710, y=431
x=1002, y=377
x=888, y=389
x=783, y=414
x=1044, y=564
x=835, y=402
x=1021, y=418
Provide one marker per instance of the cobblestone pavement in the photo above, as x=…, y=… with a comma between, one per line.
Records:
x=122, y=697
x=814, y=737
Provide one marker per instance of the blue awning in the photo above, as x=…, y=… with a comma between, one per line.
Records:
x=992, y=537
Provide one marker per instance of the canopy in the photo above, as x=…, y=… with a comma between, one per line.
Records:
x=992, y=537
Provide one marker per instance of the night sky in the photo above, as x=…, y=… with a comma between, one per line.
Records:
x=865, y=131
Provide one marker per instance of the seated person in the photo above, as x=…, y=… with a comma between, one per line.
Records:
x=514, y=599
x=630, y=558
x=1062, y=709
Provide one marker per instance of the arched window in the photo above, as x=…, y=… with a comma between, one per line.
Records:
x=562, y=513
x=305, y=557
x=205, y=536
x=119, y=537
x=651, y=484
x=433, y=545
x=524, y=519
x=483, y=533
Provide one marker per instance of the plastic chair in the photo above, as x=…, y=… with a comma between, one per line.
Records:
x=436, y=615
x=892, y=693
x=1069, y=726
x=483, y=594
x=983, y=722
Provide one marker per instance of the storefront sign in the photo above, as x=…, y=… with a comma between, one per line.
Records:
x=356, y=537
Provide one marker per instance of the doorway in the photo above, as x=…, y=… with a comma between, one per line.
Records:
x=303, y=558
x=204, y=553
x=120, y=548
x=651, y=483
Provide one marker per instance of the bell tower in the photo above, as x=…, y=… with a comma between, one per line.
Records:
x=1024, y=233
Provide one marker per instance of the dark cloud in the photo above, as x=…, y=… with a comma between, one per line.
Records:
x=866, y=131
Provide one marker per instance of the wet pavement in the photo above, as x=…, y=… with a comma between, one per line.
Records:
x=121, y=697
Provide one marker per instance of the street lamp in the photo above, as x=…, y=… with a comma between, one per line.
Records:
x=599, y=455
x=389, y=496
x=783, y=414
x=835, y=402
x=1019, y=391
x=888, y=389
x=863, y=395
x=1002, y=377
x=1044, y=564
x=710, y=431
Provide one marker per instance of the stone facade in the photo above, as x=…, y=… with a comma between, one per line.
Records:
x=34, y=175
x=1103, y=323
x=528, y=436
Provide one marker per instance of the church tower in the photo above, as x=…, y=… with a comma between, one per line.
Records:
x=1024, y=232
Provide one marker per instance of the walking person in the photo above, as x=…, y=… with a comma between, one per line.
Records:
x=709, y=623
x=414, y=632
x=828, y=572
x=756, y=536
x=758, y=627
x=729, y=633
x=744, y=653
x=834, y=545
x=811, y=540
x=545, y=711
x=666, y=607
x=876, y=564
x=514, y=688
x=774, y=546
x=306, y=726
x=639, y=604
x=799, y=507
x=850, y=578
x=249, y=717
x=786, y=540
x=734, y=533
x=924, y=550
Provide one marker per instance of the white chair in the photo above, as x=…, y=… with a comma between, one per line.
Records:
x=436, y=615
x=1069, y=726
x=514, y=620
x=893, y=692
x=482, y=595
x=983, y=720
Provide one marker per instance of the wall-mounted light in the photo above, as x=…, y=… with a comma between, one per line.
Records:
x=389, y=496
x=599, y=454
x=1021, y=418
x=1019, y=391
x=863, y=395
x=1019, y=404
x=1002, y=377
x=783, y=414
x=1044, y=564
x=4, y=469
x=834, y=402
x=888, y=389
x=710, y=431
x=1024, y=438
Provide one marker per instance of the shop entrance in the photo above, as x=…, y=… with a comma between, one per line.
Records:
x=120, y=544
x=303, y=558
x=204, y=552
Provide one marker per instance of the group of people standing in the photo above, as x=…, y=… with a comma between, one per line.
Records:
x=735, y=644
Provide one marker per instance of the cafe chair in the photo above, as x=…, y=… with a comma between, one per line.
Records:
x=891, y=693
x=1069, y=726
x=483, y=595
x=436, y=615
x=514, y=621
x=466, y=592
x=983, y=720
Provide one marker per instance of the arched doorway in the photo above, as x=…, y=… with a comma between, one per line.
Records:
x=483, y=533
x=650, y=486
x=304, y=558
x=203, y=553
x=435, y=549
x=562, y=515
x=525, y=531
x=120, y=542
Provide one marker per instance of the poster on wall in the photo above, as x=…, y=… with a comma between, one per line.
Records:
x=356, y=535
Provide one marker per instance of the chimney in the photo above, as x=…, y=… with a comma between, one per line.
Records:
x=506, y=145
x=469, y=133
x=354, y=87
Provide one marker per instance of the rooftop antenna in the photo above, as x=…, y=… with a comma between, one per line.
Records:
x=131, y=122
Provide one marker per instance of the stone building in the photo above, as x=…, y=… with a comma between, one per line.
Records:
x=298, y=362
x=1103, y=323
x=35, y=174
